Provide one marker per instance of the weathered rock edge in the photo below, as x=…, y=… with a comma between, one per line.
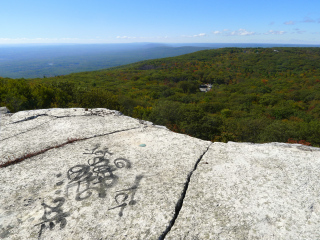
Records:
x=30, y=124
x=253, y=191
x=156, y=161
x=189, y=188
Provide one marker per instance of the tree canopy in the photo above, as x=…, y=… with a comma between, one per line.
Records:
x=258, y=94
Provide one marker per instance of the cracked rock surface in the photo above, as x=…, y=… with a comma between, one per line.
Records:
x=32, y=131
x=122, y=184
x=107, y=176
x=252, y=191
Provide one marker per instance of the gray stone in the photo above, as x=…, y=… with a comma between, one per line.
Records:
x=4, y=110
x=103, y=187
x=252, y=191
x=4, y=117
x=41, y=129
x=96, y=174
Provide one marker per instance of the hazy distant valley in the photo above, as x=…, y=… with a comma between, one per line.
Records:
x=54, y=60
x=37, y=61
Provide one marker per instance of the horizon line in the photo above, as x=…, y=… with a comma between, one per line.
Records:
x=163, y=43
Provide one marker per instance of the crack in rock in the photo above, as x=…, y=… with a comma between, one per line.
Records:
x=71, y=140
x=59, y=117
x=27, y=130
x=89, y=112
x=183, y=195
x=30, y=118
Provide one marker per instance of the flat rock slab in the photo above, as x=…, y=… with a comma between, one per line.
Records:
x=121, y=185
x=252, y=191
x=96, y=174
x=33, y=131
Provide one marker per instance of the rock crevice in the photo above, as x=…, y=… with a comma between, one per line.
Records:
x=182, y=197
x=22, y=132
x=29, y=118
x=69, y=141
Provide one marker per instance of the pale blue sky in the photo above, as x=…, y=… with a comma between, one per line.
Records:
x=174, y=21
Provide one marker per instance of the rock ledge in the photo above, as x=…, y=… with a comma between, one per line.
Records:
x=97, y=174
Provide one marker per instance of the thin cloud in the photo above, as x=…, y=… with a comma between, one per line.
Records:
x=272, y=23
x=125, y=37
x=308, y=20
x=299, y=31
x=241, y=32
x=194, y=36
x=289, y=23
x=275, y=32
x=37, y=40
x=200, y=35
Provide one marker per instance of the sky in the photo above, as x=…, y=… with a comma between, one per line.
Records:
x=166, y=21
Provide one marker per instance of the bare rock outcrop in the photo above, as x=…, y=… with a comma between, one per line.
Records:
x=97, y=174
x=4, y=110
x=252, y=191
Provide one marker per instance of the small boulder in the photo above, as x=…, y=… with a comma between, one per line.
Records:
x=4, y=110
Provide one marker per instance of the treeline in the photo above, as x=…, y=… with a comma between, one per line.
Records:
x=258, y=94
x=22, y=94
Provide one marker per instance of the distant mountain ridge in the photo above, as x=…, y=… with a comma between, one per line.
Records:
x=50, y=61
x=37, y=61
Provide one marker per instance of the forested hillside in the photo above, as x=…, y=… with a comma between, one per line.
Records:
x=258, y=94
